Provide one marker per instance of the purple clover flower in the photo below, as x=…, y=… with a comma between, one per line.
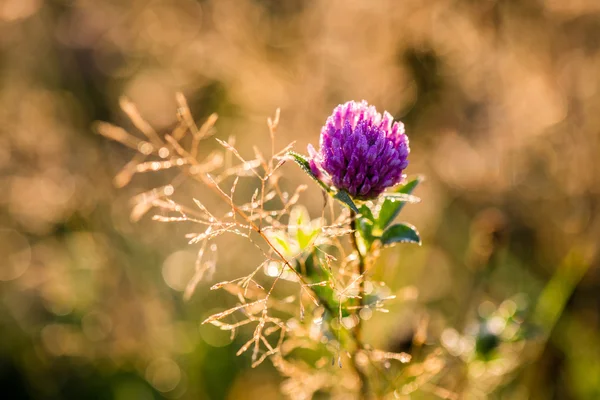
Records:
x=362, y=152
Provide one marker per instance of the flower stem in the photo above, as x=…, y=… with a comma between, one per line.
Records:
x=357, y=330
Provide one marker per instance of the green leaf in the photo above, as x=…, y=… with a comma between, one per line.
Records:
x=340, y=195
x=281, y=241
x=394, y=202
x=400, y=233
x=345, y=198
x=401, y=197
x=366, y=213
x=315, y=270
x=305, y=239
x=300, y=226
x=302, y=161
x=364, y=226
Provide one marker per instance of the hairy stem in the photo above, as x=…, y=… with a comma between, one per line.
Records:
x=357, y=331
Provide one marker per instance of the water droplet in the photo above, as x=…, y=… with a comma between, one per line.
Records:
x=163, y=152
x=366, y=313
x=368, y=287
x=145, y=148
x=273, y=269
x=168, y=190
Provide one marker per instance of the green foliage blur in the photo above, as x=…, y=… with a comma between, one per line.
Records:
x=500, y=99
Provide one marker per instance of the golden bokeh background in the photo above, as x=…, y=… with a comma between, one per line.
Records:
x=500, y=99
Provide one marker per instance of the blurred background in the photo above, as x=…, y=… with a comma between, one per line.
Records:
x=500, y=99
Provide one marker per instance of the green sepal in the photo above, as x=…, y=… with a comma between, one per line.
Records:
x=302, y=161
x=345, y=198
x=339, y=195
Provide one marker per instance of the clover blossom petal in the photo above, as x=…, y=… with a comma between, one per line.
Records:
x=361, y=151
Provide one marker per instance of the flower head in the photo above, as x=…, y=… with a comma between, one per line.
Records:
x=361, y=151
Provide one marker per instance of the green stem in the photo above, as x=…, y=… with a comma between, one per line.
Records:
x=357, y=331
